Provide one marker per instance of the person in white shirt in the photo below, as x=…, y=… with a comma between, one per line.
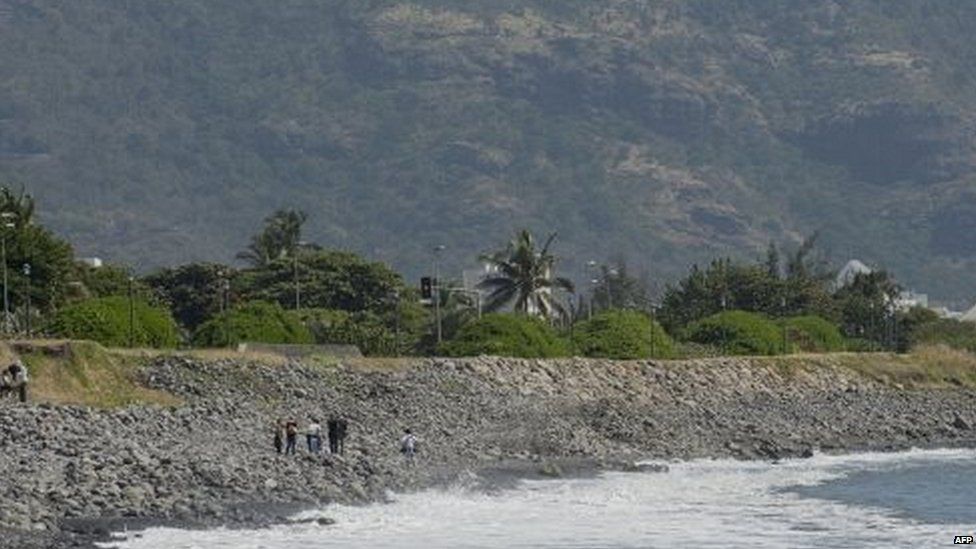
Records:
x=408, y=445
x=313, y=436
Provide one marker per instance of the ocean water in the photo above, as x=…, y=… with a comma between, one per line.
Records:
x=911, y=499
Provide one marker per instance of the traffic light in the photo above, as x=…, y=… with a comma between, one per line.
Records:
x=426, y=288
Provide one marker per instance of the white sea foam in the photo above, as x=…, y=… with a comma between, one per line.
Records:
x=720, y=503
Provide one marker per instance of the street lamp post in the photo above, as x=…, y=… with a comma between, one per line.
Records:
x=437, y=290
x=653, y=309
x=7, y=224
x=225, y=301
x=607, y=275
x=782, y=305
x=132, y=313
x=27, y=323
x=396, y=331
x=594, y=283
x=298, y=287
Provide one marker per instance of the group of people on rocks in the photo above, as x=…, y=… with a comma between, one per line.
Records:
x=286, y=437
x=14, y=379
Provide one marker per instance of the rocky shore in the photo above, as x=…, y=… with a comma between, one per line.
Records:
x=72, y=473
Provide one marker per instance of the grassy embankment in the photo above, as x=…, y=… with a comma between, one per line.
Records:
x=84, y=373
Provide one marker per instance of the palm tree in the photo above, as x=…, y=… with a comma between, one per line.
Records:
x=20, y=205
x=523, y=277
x=280, y=238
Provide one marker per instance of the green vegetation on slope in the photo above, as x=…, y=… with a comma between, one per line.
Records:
x=157, y=132
x=116, y=322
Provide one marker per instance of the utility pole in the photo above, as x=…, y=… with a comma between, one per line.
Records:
x=782, y=305
x=396, y=331
x=27, y=273
x=607, y=274
x=298, y=289
x=132, y=313
x=437, y=290
x=7, y=224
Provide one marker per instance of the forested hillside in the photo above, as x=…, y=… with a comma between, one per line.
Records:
x=666, y=131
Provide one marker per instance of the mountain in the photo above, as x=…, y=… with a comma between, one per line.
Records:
x=667, y=131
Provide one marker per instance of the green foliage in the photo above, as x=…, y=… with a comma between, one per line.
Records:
x=326, y=280
x=801, y=288
x=280, y=238
x=375, y=335
x=524, y=278
x=106, y=320
x=950, y=332
x=866, y=306
x=194, y=292
x=738, y=333
x=255, y=321
x=506, y=335
x=105, y=281
x=623, y=335
x=51, y=259
x=617, y=287
x=449, y=120
x=722, y=285
x=813, y=334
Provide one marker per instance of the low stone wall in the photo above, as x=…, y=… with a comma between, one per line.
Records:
x=211, y=460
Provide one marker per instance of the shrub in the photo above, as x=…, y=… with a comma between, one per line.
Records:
x=953, y=333
x=622, y=335
x=814, y=334
x=106, y=320
x=366, y=330
x=255, y=321
x=506, y=335
x=738, y=333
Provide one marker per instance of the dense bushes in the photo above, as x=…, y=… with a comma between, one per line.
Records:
x=506, y=335
x=738, y=333
x=256, y=321
x=106, y=320
x=952, y=333
x=366, y=330
x=813, y=334
x=623, y=335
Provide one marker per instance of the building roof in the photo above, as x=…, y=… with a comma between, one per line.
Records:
x=853, y=268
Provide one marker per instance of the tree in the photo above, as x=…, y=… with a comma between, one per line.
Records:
x=51, y=259
x=524, y=278
x=867, y=307
x=723, y=285
x=616, y=287
x=195, y=292
x=806, y=287
x=327, y=279
x=280, y=238
x=257, y=322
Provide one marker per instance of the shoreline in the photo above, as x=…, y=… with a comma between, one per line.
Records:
x=80, y=472
x=491, y=479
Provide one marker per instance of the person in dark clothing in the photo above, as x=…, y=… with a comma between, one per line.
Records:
x=333, y=432
x=291, y=436
x=337, y=426
x=342, y=435
x=18, y=379
x=278, y=442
